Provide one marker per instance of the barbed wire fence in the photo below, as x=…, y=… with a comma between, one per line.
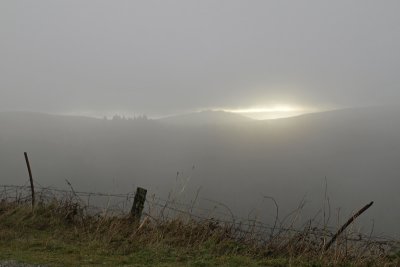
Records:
x=164, y=209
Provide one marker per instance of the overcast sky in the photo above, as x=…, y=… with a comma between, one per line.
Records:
x=163, y=57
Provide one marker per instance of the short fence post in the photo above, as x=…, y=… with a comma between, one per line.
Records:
x=138, y=203
x=30, y=179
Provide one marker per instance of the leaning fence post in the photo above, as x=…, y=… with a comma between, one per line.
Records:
x=30, y=178
x=138, y=203
x=344, y=226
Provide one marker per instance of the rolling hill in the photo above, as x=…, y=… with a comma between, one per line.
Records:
x=238, y=163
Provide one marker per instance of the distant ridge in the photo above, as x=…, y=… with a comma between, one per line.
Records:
x=206, y=117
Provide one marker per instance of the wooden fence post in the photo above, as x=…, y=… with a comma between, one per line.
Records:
x=138, y=203
x=349, y=221
x=30, y=179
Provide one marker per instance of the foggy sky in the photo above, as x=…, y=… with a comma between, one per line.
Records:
x=162, y=57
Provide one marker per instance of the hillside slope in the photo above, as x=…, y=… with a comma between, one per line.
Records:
x=357, y=150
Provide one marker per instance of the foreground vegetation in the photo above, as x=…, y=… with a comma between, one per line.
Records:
x=60, y=234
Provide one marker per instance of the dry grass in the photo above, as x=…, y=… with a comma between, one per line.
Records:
x=63, y=228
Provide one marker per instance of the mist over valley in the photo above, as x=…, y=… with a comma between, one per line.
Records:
x=226, y=157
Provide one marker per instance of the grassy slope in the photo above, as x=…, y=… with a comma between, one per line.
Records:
x=48, y=238
x=57, y=236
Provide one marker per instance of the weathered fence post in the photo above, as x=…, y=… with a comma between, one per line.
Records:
x=30, y=179
x=138, y=203
x=344, y=226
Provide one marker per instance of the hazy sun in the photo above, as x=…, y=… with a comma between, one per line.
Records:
x=270, y=112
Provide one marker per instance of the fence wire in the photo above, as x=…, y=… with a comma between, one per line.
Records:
x=95, y=203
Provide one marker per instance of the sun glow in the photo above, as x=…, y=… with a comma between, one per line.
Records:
x=270, y=112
